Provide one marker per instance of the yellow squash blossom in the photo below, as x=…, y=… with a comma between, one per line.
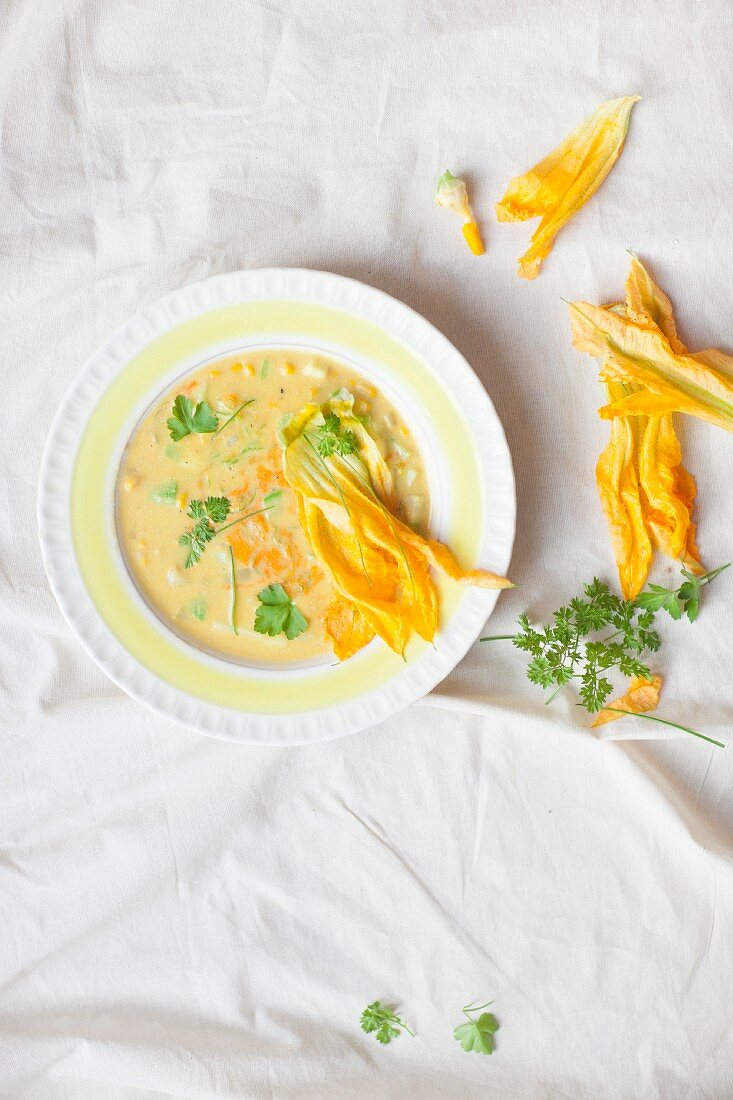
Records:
x=379, y=567
x=642, y=696
x=669, y=489
x=700, y=384
x=559, y=185
x=646, y=493
x=451, y=193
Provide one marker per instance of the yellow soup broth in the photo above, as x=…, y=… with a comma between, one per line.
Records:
x=242, y=461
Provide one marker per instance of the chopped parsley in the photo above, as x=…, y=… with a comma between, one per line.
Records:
x=382, y=1022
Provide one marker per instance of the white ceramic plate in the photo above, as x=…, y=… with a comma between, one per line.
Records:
x=460, y=437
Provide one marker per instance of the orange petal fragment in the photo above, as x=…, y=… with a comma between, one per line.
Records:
x=642, y=696
x=346, y=627
x=563, y=181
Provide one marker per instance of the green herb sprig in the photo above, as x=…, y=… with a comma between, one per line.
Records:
x=383, y=1023
x=206, y=513
x=277, y=614
x=477, y=1034
x=332, y=438
x=187, y=418
x=570, y=649
x=678, y=601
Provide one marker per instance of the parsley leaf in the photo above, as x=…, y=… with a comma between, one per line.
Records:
x=187, y=418
x=277, y=614
x=477, y=1034
x=656, y=598
x=685, y=599
x=331, y=438
x=382, y=1022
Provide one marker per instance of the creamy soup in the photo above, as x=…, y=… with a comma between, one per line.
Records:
x=213, y=601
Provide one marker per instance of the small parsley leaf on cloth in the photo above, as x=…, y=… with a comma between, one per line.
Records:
x=685, y=599
x=277, y=614
x=188, y=418
x=478, y=1033
x=382, y=1022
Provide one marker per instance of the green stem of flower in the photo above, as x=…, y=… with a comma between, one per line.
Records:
x=708, y=577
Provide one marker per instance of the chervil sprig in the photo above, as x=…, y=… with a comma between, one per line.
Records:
x=331, y=438
x=383, y=1022
x=206, y=513
x=600, y=632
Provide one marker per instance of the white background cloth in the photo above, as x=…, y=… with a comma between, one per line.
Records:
x=188, y=918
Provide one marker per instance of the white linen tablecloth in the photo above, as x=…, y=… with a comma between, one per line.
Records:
x=188, y=918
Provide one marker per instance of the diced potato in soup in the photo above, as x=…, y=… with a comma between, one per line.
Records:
x=242, y=461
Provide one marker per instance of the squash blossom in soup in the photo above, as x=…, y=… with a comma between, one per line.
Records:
x=274, y=510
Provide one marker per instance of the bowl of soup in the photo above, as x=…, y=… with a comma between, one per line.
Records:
x=174, y=540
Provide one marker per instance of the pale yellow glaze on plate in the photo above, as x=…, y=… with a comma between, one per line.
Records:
x=472, y=505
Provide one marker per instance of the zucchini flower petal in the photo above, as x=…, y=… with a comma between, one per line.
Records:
x=700, y=385
x=617, y=478
x=451, y=192
x=670, y=490
x=642, y=696
x=645, y=491
x=646, y=302
x=379, y=567
x=563, y=181
x=346, y=627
